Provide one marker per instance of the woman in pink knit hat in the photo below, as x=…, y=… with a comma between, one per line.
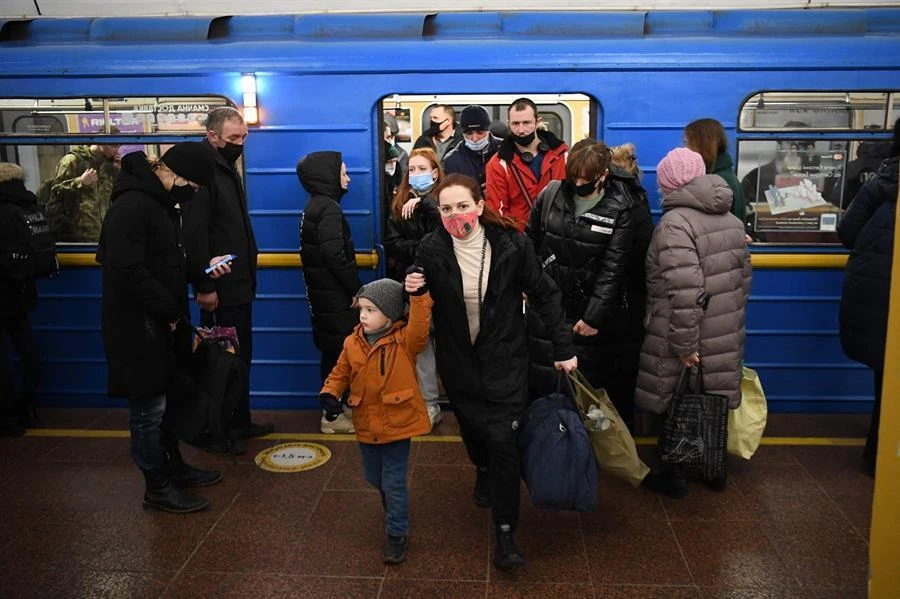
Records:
x=698, y=280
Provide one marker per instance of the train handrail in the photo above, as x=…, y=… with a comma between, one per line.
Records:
x=370, y=260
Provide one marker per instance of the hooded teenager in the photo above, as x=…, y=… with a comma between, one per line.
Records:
x=329, y=264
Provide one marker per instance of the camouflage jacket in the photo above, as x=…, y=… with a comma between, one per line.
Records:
x=85, y=206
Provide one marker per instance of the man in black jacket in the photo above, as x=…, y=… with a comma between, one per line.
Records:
x=218, y=223
x=471, y=157
x=442, y=134
x=145, y=308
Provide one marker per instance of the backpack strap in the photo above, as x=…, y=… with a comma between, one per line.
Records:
x=552, y=189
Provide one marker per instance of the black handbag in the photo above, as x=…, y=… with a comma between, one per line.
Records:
x=694, y=436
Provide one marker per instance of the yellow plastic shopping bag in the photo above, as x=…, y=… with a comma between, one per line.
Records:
x=747, y=423
x=613, y=444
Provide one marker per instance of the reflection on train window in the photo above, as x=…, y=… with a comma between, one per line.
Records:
x=74, y=180
x=789, y=111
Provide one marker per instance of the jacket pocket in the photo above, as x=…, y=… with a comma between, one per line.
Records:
x=402, y=409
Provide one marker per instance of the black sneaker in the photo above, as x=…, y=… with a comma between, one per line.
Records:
x=395, y=549
x=480, y=495
x=666, y=482
x=226, y=447
x=507, y=555
x=253, y=430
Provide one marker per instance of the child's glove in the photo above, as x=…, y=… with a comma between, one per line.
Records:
x=331, y=405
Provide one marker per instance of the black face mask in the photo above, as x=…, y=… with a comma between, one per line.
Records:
x=231, y=152
x=182, y=193
x=434, y=130
x=523, y=140
x=586, y=189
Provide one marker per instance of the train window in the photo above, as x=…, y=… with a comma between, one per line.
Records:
x=799, y=169
x=784, y=111
x=73, y=177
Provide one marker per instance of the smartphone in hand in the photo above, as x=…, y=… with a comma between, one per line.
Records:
x=226, y=260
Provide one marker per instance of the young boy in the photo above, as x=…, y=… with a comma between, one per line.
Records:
x=378, y=364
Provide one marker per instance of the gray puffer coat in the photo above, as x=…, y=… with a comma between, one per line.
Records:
x=698, y=248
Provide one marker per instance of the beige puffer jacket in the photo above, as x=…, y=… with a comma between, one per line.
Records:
x=698, y=248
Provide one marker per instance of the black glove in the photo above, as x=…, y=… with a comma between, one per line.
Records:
x=331, y=405
x=424, y=288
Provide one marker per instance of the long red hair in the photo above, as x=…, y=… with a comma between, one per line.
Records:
x=402, y=195
x=488, y=216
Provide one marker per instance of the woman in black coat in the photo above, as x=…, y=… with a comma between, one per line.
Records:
x=867, y=230
x=413, y=212
x=478, y=267
x=145, y=309
x=591, y=233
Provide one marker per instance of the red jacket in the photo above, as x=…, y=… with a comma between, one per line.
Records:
x=384, y=390
x=504, y=187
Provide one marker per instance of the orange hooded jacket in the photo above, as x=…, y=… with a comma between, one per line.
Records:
x=384, y=390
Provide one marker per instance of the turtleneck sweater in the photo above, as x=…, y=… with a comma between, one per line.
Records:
x=468, y=256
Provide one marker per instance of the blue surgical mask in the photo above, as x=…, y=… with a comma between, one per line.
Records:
x=477, y=146
x=422, y=181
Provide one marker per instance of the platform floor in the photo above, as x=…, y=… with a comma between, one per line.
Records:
x=793, y=523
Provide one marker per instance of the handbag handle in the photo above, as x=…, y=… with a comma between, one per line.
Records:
x=684, y=381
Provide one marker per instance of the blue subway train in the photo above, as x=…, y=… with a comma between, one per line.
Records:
x=824, y=83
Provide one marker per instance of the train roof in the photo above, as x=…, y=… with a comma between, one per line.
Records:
x=748, y=39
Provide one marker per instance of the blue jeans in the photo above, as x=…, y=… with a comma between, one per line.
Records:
x=385, y=467
x=147, y=444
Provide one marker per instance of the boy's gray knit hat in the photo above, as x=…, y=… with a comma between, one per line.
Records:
x=387, y=295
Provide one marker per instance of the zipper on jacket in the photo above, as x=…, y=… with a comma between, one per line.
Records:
x=382, y=361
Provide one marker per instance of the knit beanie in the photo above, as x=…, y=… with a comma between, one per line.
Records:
x=191, y=160
x=387, y=295
x=678, y=168
x=474, y=118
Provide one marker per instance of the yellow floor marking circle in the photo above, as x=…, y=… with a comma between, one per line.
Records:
x=293, y=457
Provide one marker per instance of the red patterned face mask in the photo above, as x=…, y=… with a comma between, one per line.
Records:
x=460, y=225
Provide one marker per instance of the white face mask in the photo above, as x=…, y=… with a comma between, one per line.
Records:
x=477, y=146
x=390, y=168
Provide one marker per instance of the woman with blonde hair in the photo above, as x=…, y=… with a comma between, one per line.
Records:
x=413, y=215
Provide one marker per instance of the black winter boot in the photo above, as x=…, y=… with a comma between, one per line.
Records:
x=719, y=483
x=184, y=475
x=161, y=494
x=507, y=554
x=395, y=549
x=11, y=427
x=481, y=496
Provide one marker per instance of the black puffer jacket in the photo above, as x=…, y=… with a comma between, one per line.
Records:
x=597, y=260
x=495, y=367
x=867, y=230
x=329, y=260
x=143, y=282
x=16, y=297
x=403, y=235
x=217, y=222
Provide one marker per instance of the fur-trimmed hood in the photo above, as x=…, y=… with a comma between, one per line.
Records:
x=11, y=172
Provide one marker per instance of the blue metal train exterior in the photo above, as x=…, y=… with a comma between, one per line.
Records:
x=321, y=80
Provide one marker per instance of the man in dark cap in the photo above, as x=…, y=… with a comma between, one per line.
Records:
x=391, y=129
x=471, y=156
x=219, y=223
x=145, y=312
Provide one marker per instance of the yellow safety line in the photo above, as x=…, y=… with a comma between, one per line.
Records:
x=120, y=434
x=266, y=260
